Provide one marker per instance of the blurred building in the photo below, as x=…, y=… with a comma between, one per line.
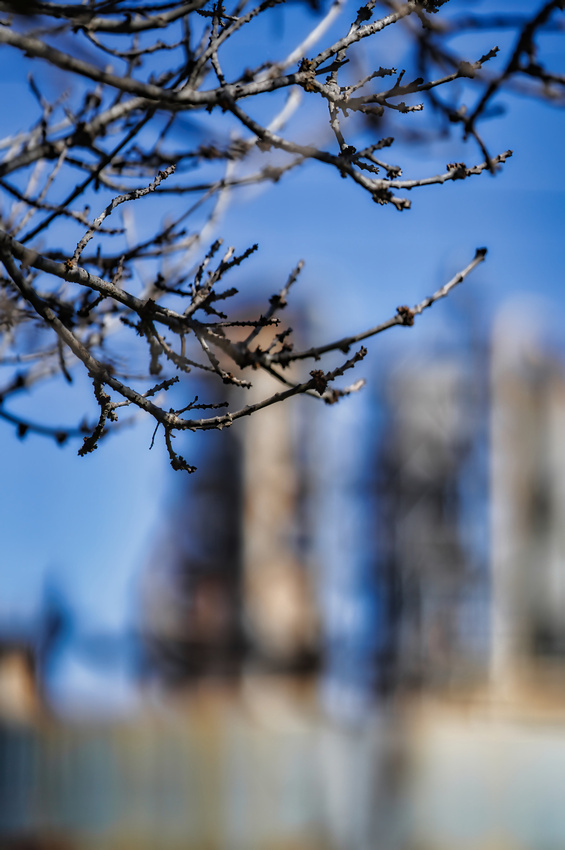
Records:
x=368, y=550
x=434, y=418
x=527, y=497
x=191, y=585
x=19, y=692
x=233, y=586
x=332, y=537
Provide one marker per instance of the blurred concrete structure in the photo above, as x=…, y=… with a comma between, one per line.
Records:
x=215, y=774
x=277, y=591
x=263, y=772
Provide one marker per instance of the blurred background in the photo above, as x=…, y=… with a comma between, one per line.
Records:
x=347, y=629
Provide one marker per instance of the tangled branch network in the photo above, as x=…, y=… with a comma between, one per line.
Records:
x=141, y=311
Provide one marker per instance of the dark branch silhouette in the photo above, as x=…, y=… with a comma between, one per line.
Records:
x=148, y=93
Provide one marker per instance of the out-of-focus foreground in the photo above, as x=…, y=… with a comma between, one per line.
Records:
x=353, y=649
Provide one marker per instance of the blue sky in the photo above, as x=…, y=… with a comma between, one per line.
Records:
x=88, y=523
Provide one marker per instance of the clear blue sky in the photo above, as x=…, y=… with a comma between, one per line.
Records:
x=88, y=522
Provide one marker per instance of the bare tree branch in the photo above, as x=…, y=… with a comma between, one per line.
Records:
x=168, y=92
